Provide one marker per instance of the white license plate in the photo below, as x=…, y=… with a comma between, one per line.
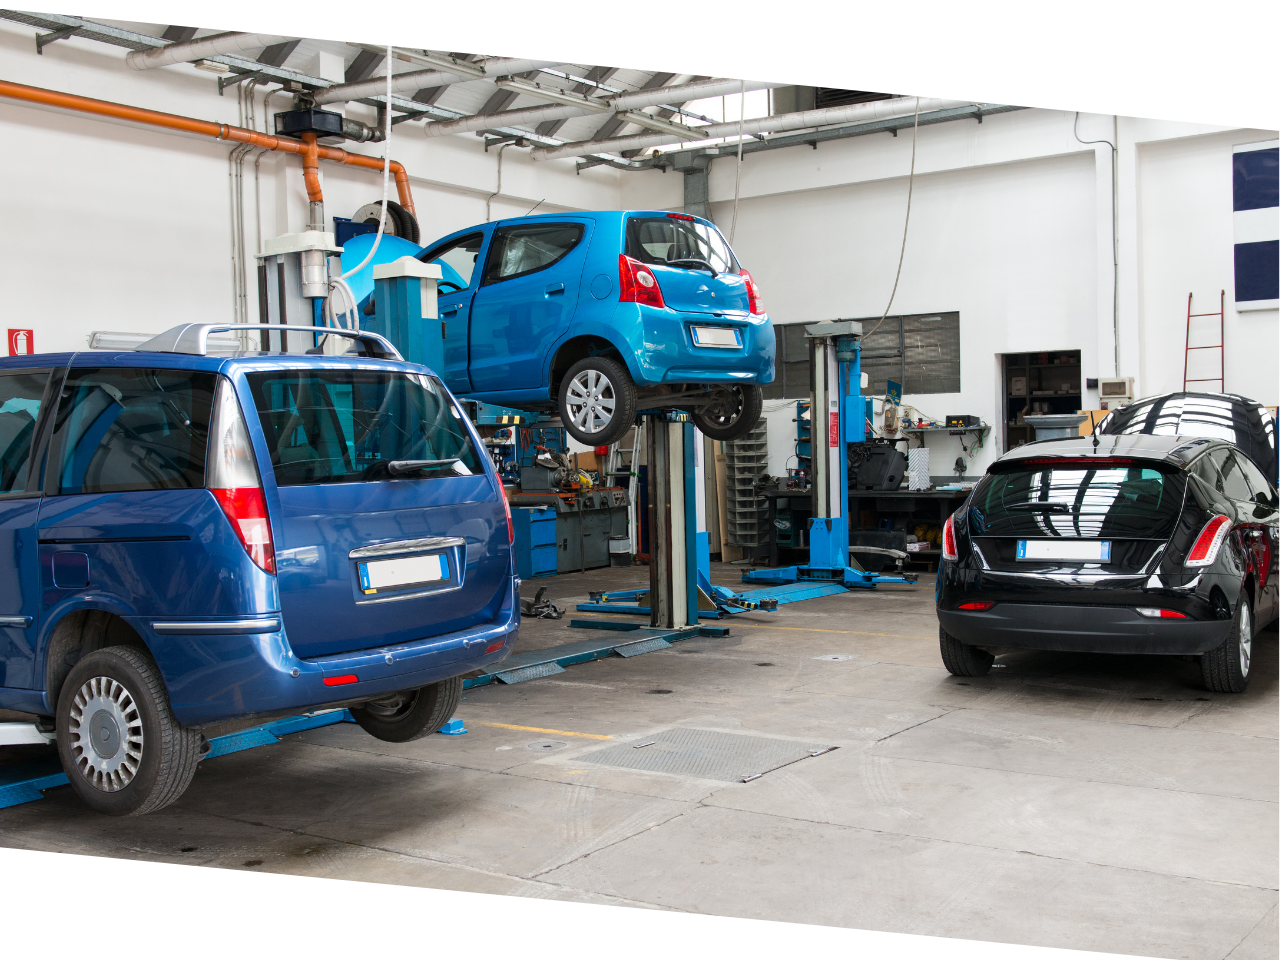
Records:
x=716, y=337
x=378, y=575
x=1096, y=551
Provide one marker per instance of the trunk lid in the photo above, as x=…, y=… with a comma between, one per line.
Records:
x=669, y=245
x=388, y=525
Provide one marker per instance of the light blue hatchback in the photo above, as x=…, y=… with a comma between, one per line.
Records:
x=594, y=315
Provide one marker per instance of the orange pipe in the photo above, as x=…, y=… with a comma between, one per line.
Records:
x=309, y=151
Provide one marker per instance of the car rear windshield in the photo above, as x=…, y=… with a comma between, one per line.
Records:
x=355, y=426
x=1078, y=500
x=667, y=240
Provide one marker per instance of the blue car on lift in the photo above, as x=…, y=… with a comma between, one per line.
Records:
x=191, y=544
x=593, y=315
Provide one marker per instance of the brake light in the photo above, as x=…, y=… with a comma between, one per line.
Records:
x=949, y=549
x=231, y=475
x=754, y=302
x=678, y=216
x=1161, y=614
x=341, y=681
x=506, y=505
x=1205, y=550
x=637, y=284
x=977, y=605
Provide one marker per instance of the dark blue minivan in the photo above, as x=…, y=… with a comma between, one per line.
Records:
x=193, y=542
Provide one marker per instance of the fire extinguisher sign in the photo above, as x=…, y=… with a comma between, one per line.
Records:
x=22, y=343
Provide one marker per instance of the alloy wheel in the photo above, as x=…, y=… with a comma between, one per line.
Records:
x=106, y=730
x=590, y=401
x=1244, y=639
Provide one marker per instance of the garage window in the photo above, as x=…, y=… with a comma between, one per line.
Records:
x=521, y=250
x=919, y=351
x=120, y=429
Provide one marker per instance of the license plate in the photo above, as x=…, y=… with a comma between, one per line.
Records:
x=1096, y=551
x=716, y=337
x=401, y=572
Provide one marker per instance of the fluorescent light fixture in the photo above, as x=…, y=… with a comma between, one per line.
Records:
x=650, y=122
x=551, y=94
x=211, y=66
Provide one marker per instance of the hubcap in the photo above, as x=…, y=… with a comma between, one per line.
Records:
x=590, y=400
x=1245, y=640
x=106, y=734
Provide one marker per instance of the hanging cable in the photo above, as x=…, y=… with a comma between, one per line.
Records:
x=737, y=171
x=911, y=182
x=340, y=282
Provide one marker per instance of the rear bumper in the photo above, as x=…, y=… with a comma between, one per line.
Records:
x=668, y=354
x=1081, y=629
x=219, y=677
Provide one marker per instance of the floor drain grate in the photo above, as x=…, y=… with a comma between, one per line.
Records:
x=707, y=754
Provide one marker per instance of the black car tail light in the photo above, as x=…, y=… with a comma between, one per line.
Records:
x=1205, y=550
x=1159, y=613
x=977, y=605
x=950, y=550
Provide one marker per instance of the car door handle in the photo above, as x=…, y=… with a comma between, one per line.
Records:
x=448, y=310
x=554, y=288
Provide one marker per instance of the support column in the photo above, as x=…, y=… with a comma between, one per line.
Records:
x=697, y=186
x=672, y=547
x=405, y=312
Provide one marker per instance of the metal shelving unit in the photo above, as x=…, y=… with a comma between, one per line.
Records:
x=746, y=511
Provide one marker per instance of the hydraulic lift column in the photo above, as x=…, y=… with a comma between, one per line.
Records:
x=673, y=507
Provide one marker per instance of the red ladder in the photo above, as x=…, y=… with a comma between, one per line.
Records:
x=1220, y=346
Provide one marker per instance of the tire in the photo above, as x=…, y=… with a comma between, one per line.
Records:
x=587, y=387
x=734, y=416
x=116, y=695
x=410, y=714
x=962, y=660
x=1225, y=668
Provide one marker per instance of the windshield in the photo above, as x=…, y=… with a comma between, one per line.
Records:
x=352, y=426
x=668, y=240
x=1077, y=500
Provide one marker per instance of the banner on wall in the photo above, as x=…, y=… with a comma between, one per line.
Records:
x=1255, y=193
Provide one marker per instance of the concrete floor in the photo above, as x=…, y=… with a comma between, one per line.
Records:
x=1068, y=801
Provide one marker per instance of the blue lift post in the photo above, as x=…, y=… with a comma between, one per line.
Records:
x=835, y=354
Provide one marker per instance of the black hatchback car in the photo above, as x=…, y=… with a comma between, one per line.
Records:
x=1113, y=544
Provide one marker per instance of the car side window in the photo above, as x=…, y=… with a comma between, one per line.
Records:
x=457, y=261
x=119, y=429
x=1207, y=470
x=524, y=249
x=1263, y=492
x=20, y=397
x=1234, y=484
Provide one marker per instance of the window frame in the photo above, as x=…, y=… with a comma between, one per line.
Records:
x=34, y=486
x=493, y=247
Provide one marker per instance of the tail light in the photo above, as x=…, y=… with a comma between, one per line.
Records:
x=232, y=477
x=1161, y=614
x=977, y=605
x=1205, y=550
x=506, y=505
x=637, y=283
x=754, y=302
x=678, y=216
x=949, y=549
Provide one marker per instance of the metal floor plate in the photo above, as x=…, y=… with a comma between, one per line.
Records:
x=707, y=754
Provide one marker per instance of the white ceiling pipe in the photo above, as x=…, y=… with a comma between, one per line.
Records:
x=220, y=44
x=411, y=83
x=681, y=93
x=828, y=116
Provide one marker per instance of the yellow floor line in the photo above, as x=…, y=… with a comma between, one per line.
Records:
x=563, y=733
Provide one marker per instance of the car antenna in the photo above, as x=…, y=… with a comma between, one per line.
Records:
x=536, y=206
x=1093, y=428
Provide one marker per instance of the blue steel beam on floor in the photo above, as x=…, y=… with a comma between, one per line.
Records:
x=552, y=660
x=23, y=782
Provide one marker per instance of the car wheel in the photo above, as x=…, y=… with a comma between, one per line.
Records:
x=1225, y=668
x=410, y=714
x=121, y=748
x=734, y=413
x=597, y=401
x=962, y=660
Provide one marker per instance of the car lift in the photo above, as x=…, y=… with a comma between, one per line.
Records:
x=676, y=480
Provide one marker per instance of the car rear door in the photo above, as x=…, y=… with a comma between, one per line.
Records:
x=1260, y=513
x=532, y=276
x=458, y=260
x=23, y=395
x=366, y=557
x=669, y=245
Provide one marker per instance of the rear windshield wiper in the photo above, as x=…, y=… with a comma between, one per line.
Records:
x=400, y=467
x=1043, y=507
x=697, y=265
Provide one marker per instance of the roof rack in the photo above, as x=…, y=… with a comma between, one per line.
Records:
x=193, y=338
